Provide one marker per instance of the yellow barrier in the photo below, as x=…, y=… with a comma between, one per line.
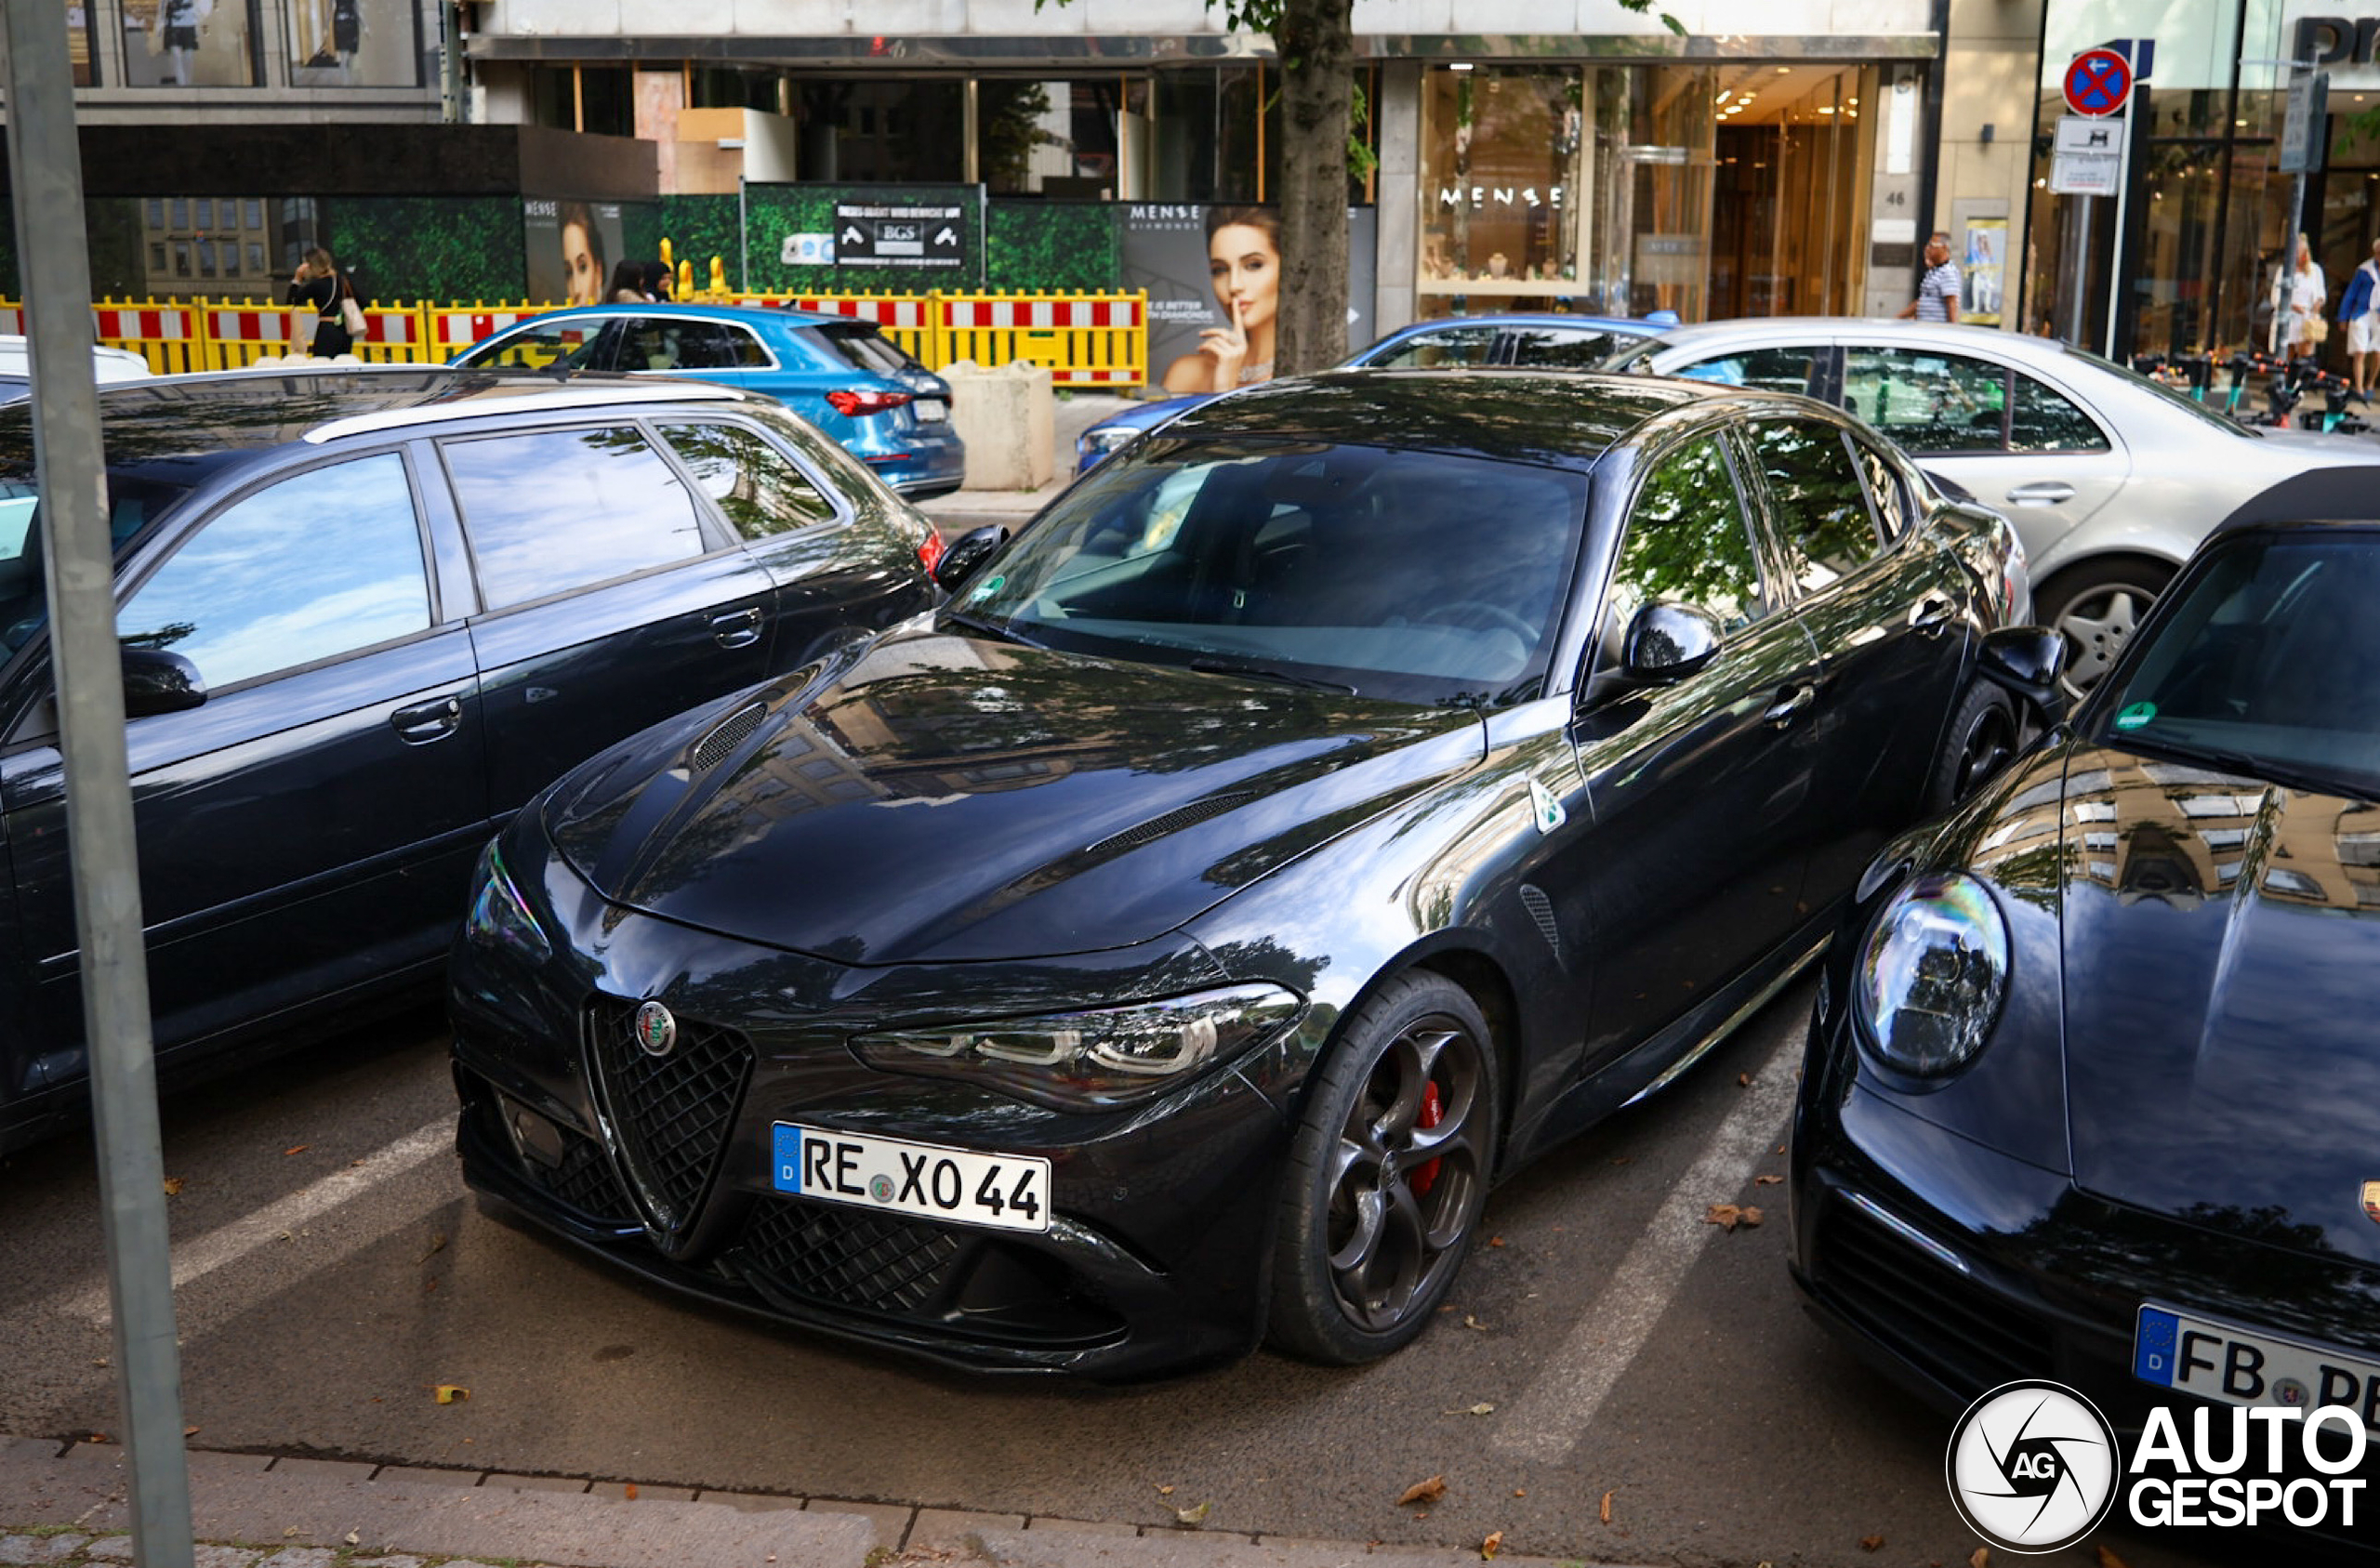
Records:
x=1082, y=339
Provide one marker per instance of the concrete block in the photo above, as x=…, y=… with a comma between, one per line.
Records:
x=301, y=1557
x=535, y=1483
x=1083, y=1526
x=39, y=1548
x=29, y=1448
x=409, y=1475
x=232, y=1464
x=750, y=1502
x=1007, y=417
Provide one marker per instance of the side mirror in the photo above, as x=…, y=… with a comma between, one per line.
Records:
x=1668, y=642
x=156, y=682
x=2030, y=662
x=966, y=553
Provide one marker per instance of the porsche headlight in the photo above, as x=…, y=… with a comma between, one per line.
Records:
x=500, y=917
x=1093, y=1059
x=1931, y=974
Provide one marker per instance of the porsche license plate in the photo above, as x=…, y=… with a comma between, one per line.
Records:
x=932, y=410
x=2221, y=1361
x=1005, y=1192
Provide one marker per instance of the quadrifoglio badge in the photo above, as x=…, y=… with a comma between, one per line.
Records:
x=2033, y=1466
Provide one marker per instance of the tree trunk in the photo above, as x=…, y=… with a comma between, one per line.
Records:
x=1318, y=48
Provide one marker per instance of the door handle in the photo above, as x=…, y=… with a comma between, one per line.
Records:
x=737, y=628
x=1790, y=704
x=1930, y=614
x=430, y=721
x=2043, y=493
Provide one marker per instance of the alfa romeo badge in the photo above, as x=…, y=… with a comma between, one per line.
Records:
x=656, y=1031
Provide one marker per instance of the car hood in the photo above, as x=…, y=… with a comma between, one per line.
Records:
x=944, y=797
x=2221, y=976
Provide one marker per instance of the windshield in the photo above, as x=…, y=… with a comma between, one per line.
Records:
x=2264, y=666
x=133, y=504
x=2168, y=394
x=1412, y=576
x=863, y=348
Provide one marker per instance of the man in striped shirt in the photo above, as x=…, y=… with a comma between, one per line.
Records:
x=1938, y=291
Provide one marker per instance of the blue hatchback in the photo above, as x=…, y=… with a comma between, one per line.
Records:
x=843, y=376
x=1539, y=342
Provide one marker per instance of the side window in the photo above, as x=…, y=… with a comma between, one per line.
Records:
x=745, y=351
x=1927, y=402
x=1771, y=370
x=1818, y=501
x=558, y=509
x=652, y=343
x=324, y=563
x=1449, y=348
x=2041, y=420
x=1561, y=347
x=704, y=345
x=754, y=484
x=575, y=344
x=1687, y=542
x=1886, y=492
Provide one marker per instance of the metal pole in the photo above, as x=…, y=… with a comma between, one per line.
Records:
x=2078, y=321
x=45, y=164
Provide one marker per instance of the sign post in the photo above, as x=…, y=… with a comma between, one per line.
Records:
x=2088, y=159
x=2305, y=141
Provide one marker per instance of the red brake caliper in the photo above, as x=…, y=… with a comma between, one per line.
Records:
x=1433, y=1112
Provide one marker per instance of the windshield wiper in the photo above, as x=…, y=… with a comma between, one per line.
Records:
x=2288, y=775
x=1001, y=630
x=1265, y=672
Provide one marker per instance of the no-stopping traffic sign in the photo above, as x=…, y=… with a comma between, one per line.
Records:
x=2099, y=82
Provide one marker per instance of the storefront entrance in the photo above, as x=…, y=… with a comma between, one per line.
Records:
x=1793, y=152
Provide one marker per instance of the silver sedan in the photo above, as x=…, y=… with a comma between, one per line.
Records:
x=2110, y=478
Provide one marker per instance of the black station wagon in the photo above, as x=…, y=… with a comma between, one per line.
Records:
x=365, y=615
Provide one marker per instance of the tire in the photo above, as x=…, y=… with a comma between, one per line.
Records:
x=2096, y=605
x=1980, y=741
x=1378, y=1209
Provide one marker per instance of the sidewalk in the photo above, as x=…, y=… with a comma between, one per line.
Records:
x=62, y=1504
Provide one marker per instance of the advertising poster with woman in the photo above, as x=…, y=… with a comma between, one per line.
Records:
x=572, y=247
x=1213, y=277
x=1983, y=267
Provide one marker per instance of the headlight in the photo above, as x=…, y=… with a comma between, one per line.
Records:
x=1931, y=974
x=500, y=917
x=1093, y=1059
x=1100, y=443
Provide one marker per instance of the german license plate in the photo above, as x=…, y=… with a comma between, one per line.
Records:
x=932, y=410
x=2221, y=1361
x=1005, y=1192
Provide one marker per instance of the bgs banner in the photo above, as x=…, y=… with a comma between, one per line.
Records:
x=1213, y=277
x=931, y=236
x=571, y=248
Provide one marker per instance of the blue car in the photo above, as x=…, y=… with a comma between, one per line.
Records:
x=1542, y=342
x=843, y=376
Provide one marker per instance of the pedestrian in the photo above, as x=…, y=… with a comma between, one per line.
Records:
x=1938, y=291
x=319, y=286
x=2299, y=292
x=2360, y=314
x=657, y=281
x=627, y=285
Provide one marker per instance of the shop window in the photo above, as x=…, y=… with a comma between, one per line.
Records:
x=846, y=134
x=353, y=43
x=190, y=43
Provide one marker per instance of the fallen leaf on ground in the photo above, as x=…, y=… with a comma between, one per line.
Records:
x=1752, y=1215
x=2109, y=1560
x=630, y=1491
x=1981, y=1557
x=449, y=1394
x=437, y=1245
x=1604, y=1513
x=1743, y=1080
x=96, y=1437
x=1725, y=1216
x=1766, y=1181
x=1470, y=1322
x=1197, y=1515
x=1481, y=1408
x=1488, y=1548
x=1428, y=1491
x=1520, y=1491
x=1871, y=1543
x=295, y=1148
x=354, y=1537
x=189, y=1431
x=173, y=1186
x=1623, y=1159
x=1165, y=1491
x=1495, y=1241
x=1780, y=1148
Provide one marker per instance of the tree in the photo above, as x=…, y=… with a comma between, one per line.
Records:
x=1316, y=41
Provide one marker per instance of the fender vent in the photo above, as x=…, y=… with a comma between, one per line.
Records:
x=1541, y=909
x=733, y=731
x=1180, y=817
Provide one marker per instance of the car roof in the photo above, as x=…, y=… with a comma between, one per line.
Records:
x=776, y=315
x=202, y=423
x=1946, y=335
x=1562, y=418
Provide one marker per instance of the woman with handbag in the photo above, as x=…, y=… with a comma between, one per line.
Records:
x=319, y=286
x=2299, y=293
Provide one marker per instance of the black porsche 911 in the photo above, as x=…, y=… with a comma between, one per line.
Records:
x=1365, y=783
x=2092, y=1091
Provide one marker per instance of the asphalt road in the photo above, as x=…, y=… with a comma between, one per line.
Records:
x=1625, y=1348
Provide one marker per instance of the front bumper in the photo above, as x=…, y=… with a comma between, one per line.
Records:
x=1161, y=1214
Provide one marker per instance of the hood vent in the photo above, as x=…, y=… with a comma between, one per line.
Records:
x=733, y=731
x=1157, y=827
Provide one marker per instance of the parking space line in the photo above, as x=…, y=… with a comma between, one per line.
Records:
x=1562, y=1401
x=202, y=1254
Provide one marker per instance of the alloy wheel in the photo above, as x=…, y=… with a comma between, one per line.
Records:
x=1408, y=1177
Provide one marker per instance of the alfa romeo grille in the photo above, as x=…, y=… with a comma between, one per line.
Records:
x=671, y=1112
x=584, y=1180
x=737, y=728
x=849, y=1260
